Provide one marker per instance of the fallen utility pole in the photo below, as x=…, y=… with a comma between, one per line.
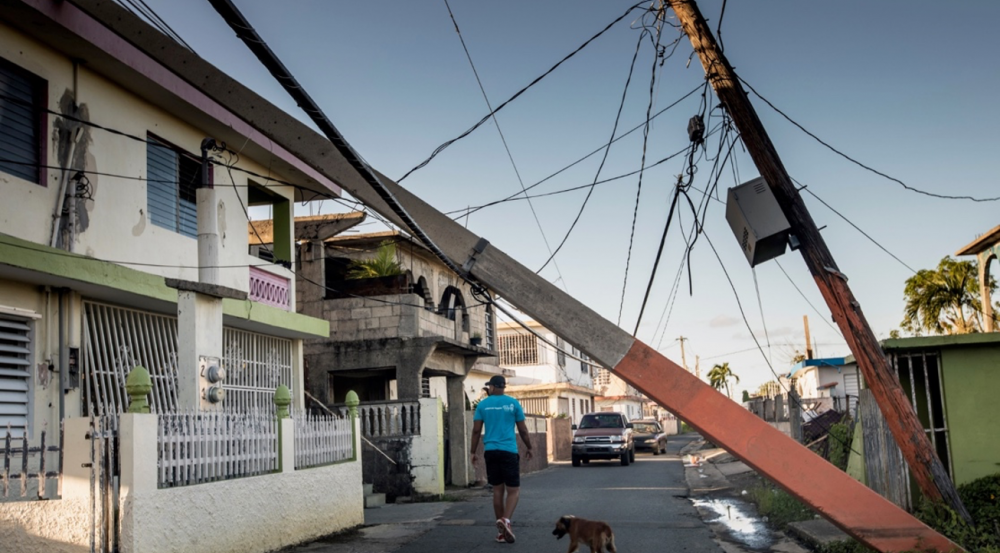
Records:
x=927, y=469
x=858, y=510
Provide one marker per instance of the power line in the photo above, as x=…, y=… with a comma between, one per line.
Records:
x=149, y=14
x=697, y=138
x=486, y=118
x=607, y=149
x=465, y=212
x=642, y=164
x=862, y=165
x=823, y=317
x=503, y=139
x=739, y=304
x=856, y=227
x=519, y=196
x=760, y=307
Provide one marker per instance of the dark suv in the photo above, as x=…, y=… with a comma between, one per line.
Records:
x=606, y=435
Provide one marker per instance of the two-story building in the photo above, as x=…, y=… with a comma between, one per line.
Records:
x=416, y=334
x=544, y=379
x=614, y=394
x=125, y=191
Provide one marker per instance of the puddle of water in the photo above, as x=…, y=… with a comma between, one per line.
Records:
x=734, y=516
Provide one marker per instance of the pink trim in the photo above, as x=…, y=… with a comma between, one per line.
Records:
x=269, y=289
x=89, y=29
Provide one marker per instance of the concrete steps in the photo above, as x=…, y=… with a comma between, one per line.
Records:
x=372, y=499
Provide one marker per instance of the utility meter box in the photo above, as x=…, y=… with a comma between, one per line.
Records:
x=757, y=221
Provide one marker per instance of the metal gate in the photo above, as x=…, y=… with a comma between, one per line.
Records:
x=105, y=471
x=116, y=339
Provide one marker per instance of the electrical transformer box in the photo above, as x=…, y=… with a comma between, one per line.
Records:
x=757, y=221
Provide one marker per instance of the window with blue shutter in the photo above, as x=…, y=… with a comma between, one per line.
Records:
x=15, y=374
x=173, y=177
x=21, y=97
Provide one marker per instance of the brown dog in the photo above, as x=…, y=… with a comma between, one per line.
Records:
x=594, y=534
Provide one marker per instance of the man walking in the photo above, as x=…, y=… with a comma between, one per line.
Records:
x=500, y=414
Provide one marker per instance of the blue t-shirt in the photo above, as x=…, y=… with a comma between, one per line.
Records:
x=499, y=415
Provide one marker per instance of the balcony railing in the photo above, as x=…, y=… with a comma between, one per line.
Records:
x=269, y=289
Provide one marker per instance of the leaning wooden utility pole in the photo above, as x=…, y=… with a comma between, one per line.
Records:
x=930, y=474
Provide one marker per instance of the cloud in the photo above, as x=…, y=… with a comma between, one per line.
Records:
x=723, y=321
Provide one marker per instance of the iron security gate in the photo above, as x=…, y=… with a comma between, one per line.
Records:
x=919, y=374
x=116, y=339
x=105, y=471
x=255, y=366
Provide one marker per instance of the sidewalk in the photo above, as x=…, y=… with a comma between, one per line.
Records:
x=386, y=528
x=709, y=470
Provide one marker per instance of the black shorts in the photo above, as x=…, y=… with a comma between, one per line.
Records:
x=503, y=467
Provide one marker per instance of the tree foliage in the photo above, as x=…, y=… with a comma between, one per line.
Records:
x=720, y=375
x=944, y=300
x=383, y=264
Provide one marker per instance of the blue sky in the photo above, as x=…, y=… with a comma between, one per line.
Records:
x=898, y=85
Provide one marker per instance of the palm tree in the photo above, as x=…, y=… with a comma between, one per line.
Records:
x=383, y=264
x=944, y=300
x=720, y=375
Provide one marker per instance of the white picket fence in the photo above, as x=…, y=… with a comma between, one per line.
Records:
x=194, y=448
x=322, y=439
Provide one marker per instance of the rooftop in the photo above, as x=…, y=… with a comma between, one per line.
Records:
x=824, y=362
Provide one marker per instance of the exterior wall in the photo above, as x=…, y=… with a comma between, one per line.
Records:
x=116, y=225
x=427, y=456
x=548, y=368
x=971, y=386
x=806, y=381
x=559, y=438
x=58, y=525
x=276, y=510
x=614, y=386
x=631, y=407
x=378, y=317
x=438, y=278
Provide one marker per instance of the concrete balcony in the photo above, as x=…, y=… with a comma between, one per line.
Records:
x=392, y=316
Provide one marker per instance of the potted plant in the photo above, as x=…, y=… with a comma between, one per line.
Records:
x=476, y=339
x=376, y=276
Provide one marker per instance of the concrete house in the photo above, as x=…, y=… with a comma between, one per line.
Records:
x=614, y=394
x=123, y=244
x=545, y=380
x=825, y=384
x=952, y=384
x=403, y=342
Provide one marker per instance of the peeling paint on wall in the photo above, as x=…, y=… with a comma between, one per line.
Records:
x=222, y=222
x=71, y=140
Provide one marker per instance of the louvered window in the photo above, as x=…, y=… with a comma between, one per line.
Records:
x=21, y=97
x=15, y=374
x=490, y=330
x=172, y=182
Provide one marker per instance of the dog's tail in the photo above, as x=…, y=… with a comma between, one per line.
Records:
x=609, y=541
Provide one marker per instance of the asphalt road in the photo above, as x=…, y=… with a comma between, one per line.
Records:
x=645, y=503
